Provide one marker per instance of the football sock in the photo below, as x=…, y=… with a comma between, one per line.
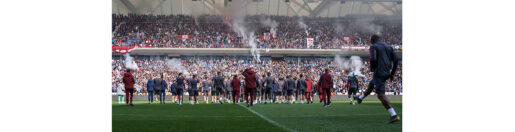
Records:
x=392, y=112
x=362, y=96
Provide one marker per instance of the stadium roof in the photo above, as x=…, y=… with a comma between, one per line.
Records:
x=313, y=8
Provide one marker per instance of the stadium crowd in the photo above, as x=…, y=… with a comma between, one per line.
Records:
x=209, y=31
x=205, y=67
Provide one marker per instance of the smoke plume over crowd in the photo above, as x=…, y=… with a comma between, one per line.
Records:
x=176, y=65
x=239, y=26
x=129, y=62
x=351, y=65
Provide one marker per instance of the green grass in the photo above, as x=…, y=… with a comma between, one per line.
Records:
x=340, y=116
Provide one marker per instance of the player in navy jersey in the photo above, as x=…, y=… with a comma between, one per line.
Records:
x=193, y=92
x=180, y=87
x=383, y=62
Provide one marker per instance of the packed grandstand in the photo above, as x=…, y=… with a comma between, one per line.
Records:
x=213, y=31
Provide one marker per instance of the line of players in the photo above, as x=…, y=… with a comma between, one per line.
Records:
x=268, y=89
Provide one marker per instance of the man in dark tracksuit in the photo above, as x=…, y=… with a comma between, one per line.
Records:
x=295, y=90
x=150, y=89
x=383, y=62
x=274, y=91
x=164, y=86
x=173, y=88
x=160, y=86
x=180, y=87
x=268, y=85
x=218, y=84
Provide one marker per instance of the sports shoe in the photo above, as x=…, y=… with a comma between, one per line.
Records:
x=131, y=104
x=394, y=118
x=357, y=98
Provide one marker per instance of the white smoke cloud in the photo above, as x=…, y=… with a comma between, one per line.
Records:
x=129, y=62
x=176, y=65
x=356, y=65
x=303, y=25
x=270, y=23
x=254, y=51
x=352, y=65
x=238, y=26
x=338, y=28
x=366, y=24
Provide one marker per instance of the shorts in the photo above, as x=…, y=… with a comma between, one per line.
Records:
x=301, y=92
x=267, y=91
x=174, y=93
x=218, y=91
x=352, y=91
x=379, y=84
x=213, y=92
x=278, y=93
x=193, y=92
x=179, y=92
x=289, y=92
x=257, y=92
x=158, y=92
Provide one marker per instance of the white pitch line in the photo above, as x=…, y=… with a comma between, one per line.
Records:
x=269, y=120
x=194, y=116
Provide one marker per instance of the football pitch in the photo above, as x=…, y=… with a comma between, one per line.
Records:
x=370, y=116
